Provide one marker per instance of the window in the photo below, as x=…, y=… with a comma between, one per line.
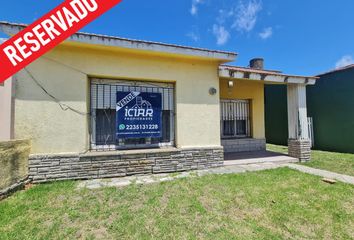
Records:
x=235, y=118
x=103, y=114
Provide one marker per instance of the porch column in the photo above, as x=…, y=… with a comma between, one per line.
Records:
x=299, y=143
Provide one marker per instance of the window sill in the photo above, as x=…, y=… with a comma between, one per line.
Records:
x=230, y=138
x=129, y=152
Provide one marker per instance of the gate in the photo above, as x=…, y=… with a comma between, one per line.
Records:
x=311, y=135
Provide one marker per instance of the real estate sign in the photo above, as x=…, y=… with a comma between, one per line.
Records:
x=139, y=115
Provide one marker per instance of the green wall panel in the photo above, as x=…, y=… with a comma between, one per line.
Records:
x=331, y=105
x=276, y=115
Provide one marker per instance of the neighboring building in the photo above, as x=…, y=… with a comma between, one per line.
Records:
x=6, y=108
x=76, y=104
x=330, y=104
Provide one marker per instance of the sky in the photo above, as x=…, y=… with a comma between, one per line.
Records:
x=304, y=37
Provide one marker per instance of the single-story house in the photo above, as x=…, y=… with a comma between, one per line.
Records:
x=102, y=106
x=329, y=105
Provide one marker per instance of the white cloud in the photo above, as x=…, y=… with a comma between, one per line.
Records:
x=221, y=34
x=194, y=10
x=194, y=36
x=195, y=5
x=266, y=33
x=224, y=15
x=246, y=15
x=345, y=61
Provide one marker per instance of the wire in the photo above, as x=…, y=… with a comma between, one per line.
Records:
x=63, y=106
x=68, y=66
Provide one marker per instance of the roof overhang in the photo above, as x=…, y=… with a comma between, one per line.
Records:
x=124, y=43
x=263, y=75
x=351, y=66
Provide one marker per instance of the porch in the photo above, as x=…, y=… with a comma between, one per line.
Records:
x=256, y=157
x=242, y=114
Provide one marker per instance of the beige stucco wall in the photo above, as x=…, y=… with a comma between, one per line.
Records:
x=6, y=110
x=252, y=90
x=54, y=129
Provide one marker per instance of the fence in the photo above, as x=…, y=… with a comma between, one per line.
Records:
x=311, y=135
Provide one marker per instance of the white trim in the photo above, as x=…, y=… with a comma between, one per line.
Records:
x=265, y=76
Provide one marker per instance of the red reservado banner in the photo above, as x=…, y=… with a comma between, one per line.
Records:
x=47, y=32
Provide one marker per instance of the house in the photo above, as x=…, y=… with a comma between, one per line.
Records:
x=75, y=103
x=329, y=105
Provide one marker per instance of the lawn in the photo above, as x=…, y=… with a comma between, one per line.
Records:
x=336, y=162
x=273, y=204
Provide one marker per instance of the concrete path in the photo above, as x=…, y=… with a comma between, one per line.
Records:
x=257, y=157
x=322, y=173
x=147, y=179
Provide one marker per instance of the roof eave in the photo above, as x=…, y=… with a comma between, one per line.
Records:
x=265, y=76
x=102, y=40
x=351, y=66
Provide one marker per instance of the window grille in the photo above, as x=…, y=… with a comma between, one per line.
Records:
x=103, y=114
x=235, y=118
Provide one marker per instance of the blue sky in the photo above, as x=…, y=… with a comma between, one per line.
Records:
x=296, y=36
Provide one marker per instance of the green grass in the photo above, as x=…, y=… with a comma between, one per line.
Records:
x=272, y=204
x=336, y=162
x=277, y=148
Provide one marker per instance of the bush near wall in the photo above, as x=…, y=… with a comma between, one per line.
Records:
x=13, y=164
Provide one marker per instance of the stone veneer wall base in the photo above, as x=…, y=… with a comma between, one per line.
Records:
x=44, y=168
x=4, y=193
x=243, y=144
x=300, y=149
